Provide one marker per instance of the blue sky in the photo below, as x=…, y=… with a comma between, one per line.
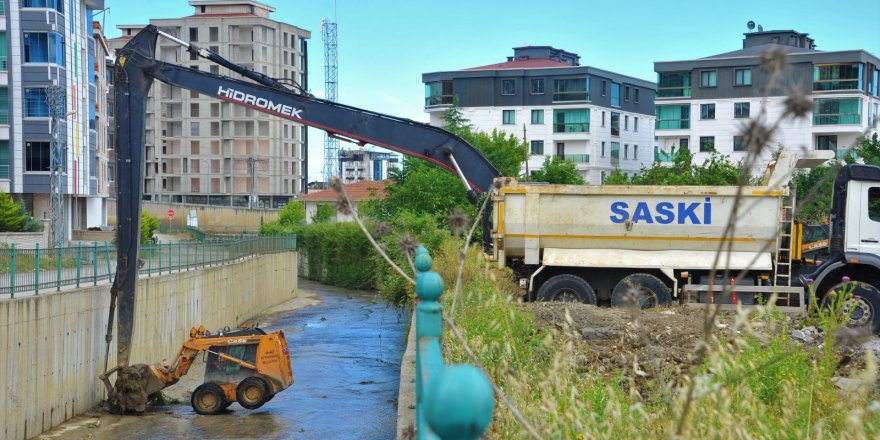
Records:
x=385, y=45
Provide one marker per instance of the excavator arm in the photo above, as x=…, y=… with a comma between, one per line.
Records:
x=135, y=70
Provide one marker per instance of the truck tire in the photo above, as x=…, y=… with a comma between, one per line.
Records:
x=252, y=393
x=567, y=288
x=643, y=289
x=208, y=399
x=863, y=308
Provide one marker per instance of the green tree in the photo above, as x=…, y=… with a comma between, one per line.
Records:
x=323, y=214
x=149, y=225
x=505, y=151
x=717, y=169
x=557, y=170
x=291, y=216
x=421, y=188
x=11, y=218
x=869, y=150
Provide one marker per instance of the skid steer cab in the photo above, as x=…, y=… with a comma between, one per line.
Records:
x=248, y=366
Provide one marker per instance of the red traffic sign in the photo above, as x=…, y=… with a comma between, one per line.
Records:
x=170, y=214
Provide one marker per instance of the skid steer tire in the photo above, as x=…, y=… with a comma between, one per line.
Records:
x=643, y=289
x=208, y=399
x=252, y=393
x=567, y=288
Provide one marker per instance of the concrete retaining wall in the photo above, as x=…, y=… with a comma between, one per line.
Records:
x=53, y=345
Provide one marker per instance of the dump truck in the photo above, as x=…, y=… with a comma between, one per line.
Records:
x=654, y=244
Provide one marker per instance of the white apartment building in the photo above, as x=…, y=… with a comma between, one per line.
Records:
x=598, y=119
x=703, y=104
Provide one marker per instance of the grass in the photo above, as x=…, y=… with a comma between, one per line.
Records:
x=750, y=386
x=28, y=263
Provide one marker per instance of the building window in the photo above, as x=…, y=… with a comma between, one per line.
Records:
x=571, y=89
x=36, y=103
x=4, y=107
x=508, y=117
x=626, y=151
x=828, y=142
x=742, y=77
x=194, y=110
x=738, y=144
x=438, y=93
x=684, y=143
x=707, y=144
x=837, y=77
x=37, y=156
x=603, y=119
x=635, y=151
x=672, y=117
x=615, y=153
x=603, y=149
x=4, y=159
x=876, y=82
x=537, y=86
x=837, y=111
x=615, y=94
x=508, y=87
x=560, y=150
x=636, y=123
x=674, y=85
x=625, y=122
x=42, y=47
x=615, y=124
x=214, y=34
x=57, y=5
x=537, y=116
x=707, y=111
x=741, y=109
x=709, y=78
x=193, y=34
x=194, y=129
x=626, y=93
x=571, y=121
x=538, y=147
x=636, y=95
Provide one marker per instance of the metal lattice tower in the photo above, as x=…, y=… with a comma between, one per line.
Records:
x=331, y=81
x=55, y=98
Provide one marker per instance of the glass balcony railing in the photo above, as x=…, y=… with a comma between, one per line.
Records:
x=3, y=66
x=574, y=127
x=672, y=124
x=578, y=158
x=837, y=119
x=4, y=172
x=438, y=100
x=4, y=116
x=663, y=156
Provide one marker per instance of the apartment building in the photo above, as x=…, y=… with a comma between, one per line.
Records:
x=702, y=104
x=206, y=151
x=599, y=119
x=48, y=45
x=358, y=165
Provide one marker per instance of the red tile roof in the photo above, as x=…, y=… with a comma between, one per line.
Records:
x=532, y=63
x=363, y=190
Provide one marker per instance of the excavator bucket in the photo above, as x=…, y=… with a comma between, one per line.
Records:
x=134, y=385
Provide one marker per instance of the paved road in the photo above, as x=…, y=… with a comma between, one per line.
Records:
x=346, y=360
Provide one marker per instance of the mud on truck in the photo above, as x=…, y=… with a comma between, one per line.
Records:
x=652, y=245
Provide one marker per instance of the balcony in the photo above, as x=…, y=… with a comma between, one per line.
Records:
x=837, y=119
x=578, y=158
x=672, y=124
x=574, y=127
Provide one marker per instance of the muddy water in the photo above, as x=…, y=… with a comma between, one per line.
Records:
x=346, y=352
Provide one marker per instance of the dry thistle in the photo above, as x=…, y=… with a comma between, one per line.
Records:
x=797, y=105
x=343, y=206
x=774, y=61
x=458, y=222
x=756, y=136
x=381, y=229
x=407, y=244
x=336, y=184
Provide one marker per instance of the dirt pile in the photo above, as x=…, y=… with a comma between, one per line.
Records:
x=130, y=395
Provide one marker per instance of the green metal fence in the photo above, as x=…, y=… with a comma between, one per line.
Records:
x=38, y=270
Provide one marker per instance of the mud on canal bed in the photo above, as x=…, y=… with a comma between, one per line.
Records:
x=346, y=348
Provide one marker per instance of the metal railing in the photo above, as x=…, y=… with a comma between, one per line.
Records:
x=452, y=401
x=32, y=271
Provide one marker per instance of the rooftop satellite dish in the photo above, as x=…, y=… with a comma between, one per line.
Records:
x=760, y=28
x=750, y=25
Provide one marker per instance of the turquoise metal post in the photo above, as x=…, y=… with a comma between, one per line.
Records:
x=452, y=402
x=150, y=259
x=37, y=270
x=95, y=262
x=79, y=256
x=170, y=256
x=107, y=258
x=179, y=252
x=58, y=272
x=12, y=272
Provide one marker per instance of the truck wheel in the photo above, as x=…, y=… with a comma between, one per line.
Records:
x=643, y=289
x=864, y=307
x=208, y=399
x=252, y=393
x=567, y=288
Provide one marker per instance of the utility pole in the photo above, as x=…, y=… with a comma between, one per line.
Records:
x=252, y=165
x=55, y=98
